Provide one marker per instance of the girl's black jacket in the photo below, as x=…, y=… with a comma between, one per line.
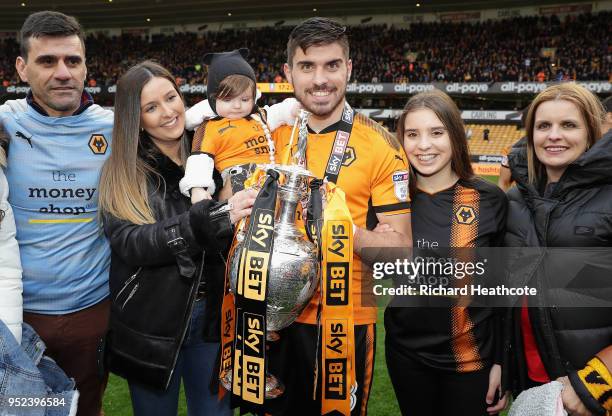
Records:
x=156, y=272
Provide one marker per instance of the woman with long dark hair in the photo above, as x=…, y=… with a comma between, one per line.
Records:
x=444, y=357
x=563, y=198
x=160, y=287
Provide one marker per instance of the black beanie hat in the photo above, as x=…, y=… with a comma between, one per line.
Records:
x=223, y=64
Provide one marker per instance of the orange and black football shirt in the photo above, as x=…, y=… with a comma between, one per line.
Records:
x=374, y=177
x=447, y=336
x=232, y=142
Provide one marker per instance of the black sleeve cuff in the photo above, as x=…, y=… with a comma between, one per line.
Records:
x=391, y=207
x=210, y=222
x=585, y=396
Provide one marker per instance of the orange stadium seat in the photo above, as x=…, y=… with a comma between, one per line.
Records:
x=500, y=136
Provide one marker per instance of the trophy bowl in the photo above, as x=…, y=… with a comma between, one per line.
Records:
x=294, y=264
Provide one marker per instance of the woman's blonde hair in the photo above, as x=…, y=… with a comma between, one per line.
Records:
x=591, y=111
x=123, y=183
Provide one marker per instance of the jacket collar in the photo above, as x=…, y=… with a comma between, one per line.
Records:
x=163, y=164
x=86, y=102
x=592, y=168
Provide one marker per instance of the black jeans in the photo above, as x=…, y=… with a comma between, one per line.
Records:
x=292, y=360
x=425, y=391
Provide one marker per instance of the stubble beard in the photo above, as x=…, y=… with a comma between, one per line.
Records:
x=60, y=104
x=318, y=111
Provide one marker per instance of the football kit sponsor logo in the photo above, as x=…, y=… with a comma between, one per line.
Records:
x=400, y=184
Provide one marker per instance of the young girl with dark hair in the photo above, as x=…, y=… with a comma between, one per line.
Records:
x=444, y=357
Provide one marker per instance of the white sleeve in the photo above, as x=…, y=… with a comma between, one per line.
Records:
x=198, y=174
x=197, y=114
x=14, y=106
x=11, y=304
x=283, y=113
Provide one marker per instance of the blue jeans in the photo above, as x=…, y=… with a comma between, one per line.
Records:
x=195, y=367
x=32, y=384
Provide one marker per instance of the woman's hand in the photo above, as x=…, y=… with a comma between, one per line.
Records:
x=571, y=401
x=240, y=204
x=495, y=386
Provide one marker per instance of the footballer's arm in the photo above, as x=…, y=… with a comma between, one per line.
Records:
x=398, y=233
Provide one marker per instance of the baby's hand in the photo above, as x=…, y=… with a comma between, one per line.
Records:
x=197, y=114
x=199, y=194
x=283, y=113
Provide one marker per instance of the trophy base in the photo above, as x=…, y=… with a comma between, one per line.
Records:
x=226, y=381
x=274, y=387
x=272, y=336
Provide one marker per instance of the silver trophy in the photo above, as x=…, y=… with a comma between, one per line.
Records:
x=294, y=265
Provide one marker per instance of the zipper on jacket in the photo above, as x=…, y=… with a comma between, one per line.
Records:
x=130, y=295
x=188, y=316
x=127, y=283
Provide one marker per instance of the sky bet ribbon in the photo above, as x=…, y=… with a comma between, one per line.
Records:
x=228, y=309
x=338, y=350
x=314, y=214
x=249, y=377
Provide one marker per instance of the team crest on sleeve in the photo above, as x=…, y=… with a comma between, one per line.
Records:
x=400, y=184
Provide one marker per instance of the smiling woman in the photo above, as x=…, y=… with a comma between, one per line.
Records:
x=563, y=122
x=163, y=116
x=563, y=198
x=437, y=348
x=163, y=303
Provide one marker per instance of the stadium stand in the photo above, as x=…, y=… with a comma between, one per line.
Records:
x=500, y=136
x=544, y=48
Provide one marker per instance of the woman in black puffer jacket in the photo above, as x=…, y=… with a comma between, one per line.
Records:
x=563, y=201
x=162, y=293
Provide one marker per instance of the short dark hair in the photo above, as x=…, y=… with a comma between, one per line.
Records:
x=607, y=103
x=48, y=23
x=314, y=32
x=233, y=86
